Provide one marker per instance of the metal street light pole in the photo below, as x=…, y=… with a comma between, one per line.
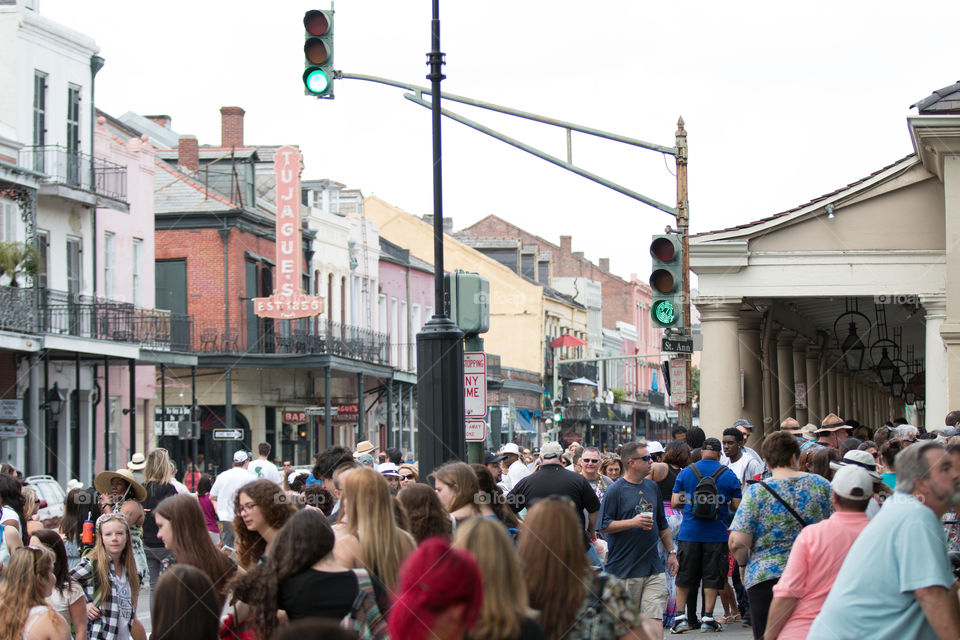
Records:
x=440, y=342
x=685, y=410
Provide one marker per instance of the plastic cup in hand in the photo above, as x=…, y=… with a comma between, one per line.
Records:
x=646, y=520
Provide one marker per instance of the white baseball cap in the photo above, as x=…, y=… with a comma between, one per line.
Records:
x=654, y=447
x=852, y=482
x=240, y=457
x=510, y=447
x=858, y=458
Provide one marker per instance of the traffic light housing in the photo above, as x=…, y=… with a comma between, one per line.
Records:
x=318, y=53
x=666, y=282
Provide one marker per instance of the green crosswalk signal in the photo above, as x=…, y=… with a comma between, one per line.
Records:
x=666, y=282
x=318, y=53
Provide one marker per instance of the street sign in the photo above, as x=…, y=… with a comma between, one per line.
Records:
x=12, y=431
x=476, y=430
x=800, y=395
x=474, y=384
x=319, y=411
x=295, y=417
x=228, y=434
x=678, y=381
x=676, y=345
x=11, y=409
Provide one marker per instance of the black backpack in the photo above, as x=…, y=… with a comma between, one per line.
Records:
x=706, y=497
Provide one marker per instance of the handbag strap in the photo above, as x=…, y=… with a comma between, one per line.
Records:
x=776, y=495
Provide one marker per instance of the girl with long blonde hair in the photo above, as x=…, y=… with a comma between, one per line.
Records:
x=156, y=480
x=372, y=539
x=505, y=614
x=571, y=599
x=108, y=575
x=27, y=581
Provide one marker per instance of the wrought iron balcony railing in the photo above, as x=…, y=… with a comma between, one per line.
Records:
x=57, y=312
x=72, y=168
x=292, y=338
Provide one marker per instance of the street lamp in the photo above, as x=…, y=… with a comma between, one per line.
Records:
x=54, y=403
x=885, y=368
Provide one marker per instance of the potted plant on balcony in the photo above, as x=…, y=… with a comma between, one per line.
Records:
x=19, y=260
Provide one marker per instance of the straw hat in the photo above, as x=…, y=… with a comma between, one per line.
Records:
x=364, y=447
x=137, y=462
x=102, y=483
x=791, y=426
x=831, y=423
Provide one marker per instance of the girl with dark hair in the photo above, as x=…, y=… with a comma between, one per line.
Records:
x=820, y=462
x=186, y=606
x=67, y=596
x=302, y=577
x=204, y=484
x=78, y=507
x=13, y=522
x=261, y=508
x=427, y=516
x=888, y=452
x=181, y=526
x=488, y=493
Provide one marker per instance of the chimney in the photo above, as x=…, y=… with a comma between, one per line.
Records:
x=231, y=127
x=605, y=264
x=566, y=244
x=188, y=153
x=163, y=121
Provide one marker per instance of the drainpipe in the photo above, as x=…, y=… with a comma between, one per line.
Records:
x=96, y=63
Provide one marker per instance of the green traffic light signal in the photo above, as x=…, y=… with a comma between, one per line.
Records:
x=664, y=312
x=318, y=53
x=666, y=281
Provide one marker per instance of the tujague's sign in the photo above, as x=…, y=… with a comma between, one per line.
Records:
x=288, y=299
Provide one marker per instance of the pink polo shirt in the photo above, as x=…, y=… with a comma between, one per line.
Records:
x=812, y=567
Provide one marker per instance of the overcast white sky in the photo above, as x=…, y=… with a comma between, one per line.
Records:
x=781, y=104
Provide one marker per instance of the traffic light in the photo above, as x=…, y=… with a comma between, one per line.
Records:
x=666, y=282
x=318, y=53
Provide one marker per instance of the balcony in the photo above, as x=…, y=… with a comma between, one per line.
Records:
x=59, y=313
x=77, y=176
x=296, y=338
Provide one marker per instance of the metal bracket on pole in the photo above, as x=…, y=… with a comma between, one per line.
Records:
x=417, y=96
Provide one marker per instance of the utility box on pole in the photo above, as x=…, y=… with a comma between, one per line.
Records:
x=469, y=301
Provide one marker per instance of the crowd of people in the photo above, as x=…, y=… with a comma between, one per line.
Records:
x=829, y=531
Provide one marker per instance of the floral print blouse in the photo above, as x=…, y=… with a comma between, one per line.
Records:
x=773, y=527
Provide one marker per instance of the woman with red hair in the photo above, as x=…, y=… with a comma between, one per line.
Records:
x=440, y=594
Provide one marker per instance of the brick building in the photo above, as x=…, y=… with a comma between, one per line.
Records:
x=216, y=252
x=621, y=323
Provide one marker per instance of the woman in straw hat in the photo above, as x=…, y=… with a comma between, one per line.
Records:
x=121, y=493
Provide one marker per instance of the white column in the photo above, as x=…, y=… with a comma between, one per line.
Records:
x=748, y=331
x=815, y=382
x=800, y=373
x=720, y=364
x=785, y=374
x=832, y=378
x=935, y=353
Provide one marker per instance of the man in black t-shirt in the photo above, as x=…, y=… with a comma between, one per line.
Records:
x=553, y=480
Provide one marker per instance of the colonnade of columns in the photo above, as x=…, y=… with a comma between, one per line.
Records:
x=769, y=373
